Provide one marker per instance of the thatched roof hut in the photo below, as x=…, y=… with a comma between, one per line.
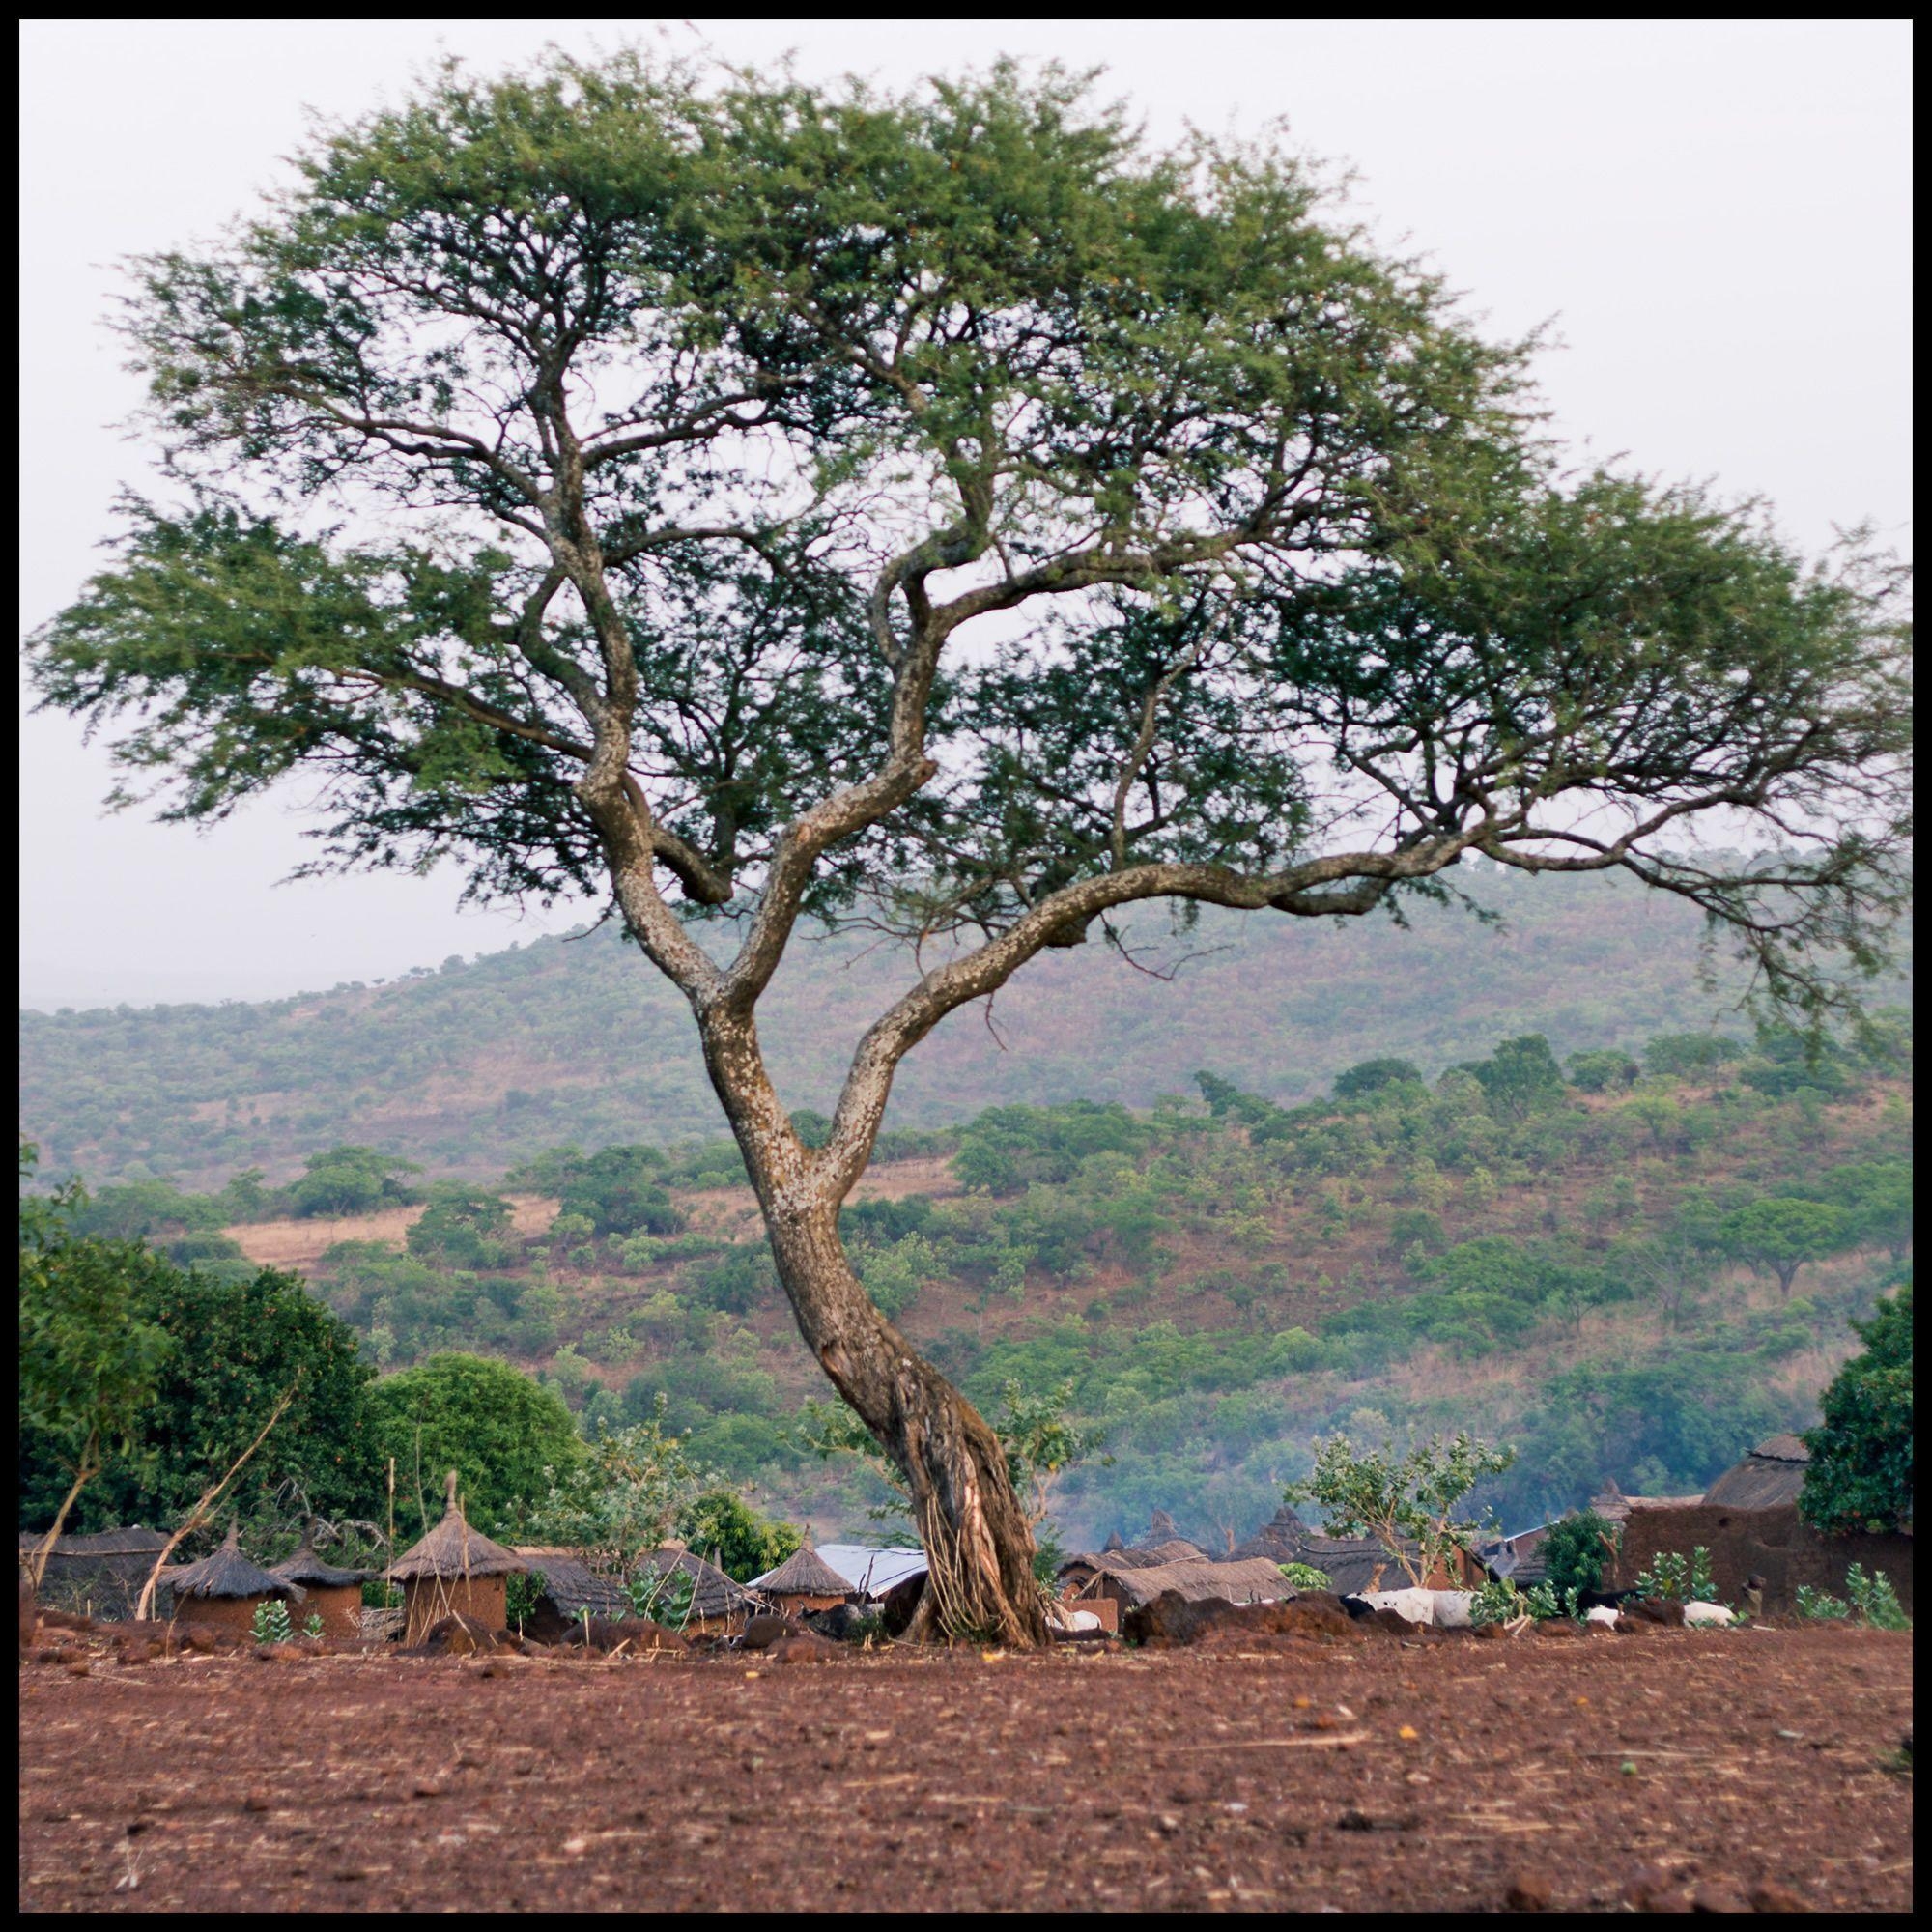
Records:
x=335, y=1594
x=227, y=1587
x=454, y=1571
x=1770, y=1477
x=1279, y=1538
x=804, y=1581
x=102, y=1575
x=1251, y=1579
x=717, y=1600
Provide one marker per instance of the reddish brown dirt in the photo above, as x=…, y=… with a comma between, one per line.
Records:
x=301, y=1244
x=1724, y=1762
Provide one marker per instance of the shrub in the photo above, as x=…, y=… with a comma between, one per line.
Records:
x=1875, y=1600
x=271, y=1622
x=1305, y=1576
x=1680, y=1579
x=1497, y=1602
x=1576, y=1549
x=1820, y=1605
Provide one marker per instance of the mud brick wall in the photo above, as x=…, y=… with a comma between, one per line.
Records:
x=1771, y=1543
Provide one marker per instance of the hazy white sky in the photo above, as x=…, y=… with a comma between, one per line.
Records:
x=1716, y=212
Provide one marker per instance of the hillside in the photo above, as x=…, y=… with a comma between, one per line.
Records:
x=471, y=1069
x=1584, y=1265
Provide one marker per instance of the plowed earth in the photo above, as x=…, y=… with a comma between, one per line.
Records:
x=1538, y=1771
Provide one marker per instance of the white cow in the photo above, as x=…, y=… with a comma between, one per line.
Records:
x=1446, y=1609
x=1714, y=1615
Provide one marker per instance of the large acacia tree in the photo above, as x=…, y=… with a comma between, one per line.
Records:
x=724, y=497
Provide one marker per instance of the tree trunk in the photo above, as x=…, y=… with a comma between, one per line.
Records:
x=978, y=1549
x=85, y=1470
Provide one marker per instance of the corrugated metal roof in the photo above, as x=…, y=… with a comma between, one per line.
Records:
x=872, y=1570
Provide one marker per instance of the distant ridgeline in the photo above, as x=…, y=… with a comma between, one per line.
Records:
x=471, y=1069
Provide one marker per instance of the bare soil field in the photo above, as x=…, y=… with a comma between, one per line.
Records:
x=301, y=1244
x=1673, y=1770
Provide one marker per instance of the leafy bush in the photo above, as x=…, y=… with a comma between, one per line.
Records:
x=1305, y=1576
x=1678, y=1579
x=1547, y=1600
x=1875, y=1600
x=1575, y=1551
x=271, y=1623
x=1497, y=1602
x=1820, y=1607
x=1372, y=1076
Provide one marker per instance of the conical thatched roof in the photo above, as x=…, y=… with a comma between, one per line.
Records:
x=1279, y=1538
x=1114, y=1542
x=306, y=1567
x=1768, y=1478
x=229, y=1574
x=1161, y=1528
x=453, y=1548
x=802, y=1574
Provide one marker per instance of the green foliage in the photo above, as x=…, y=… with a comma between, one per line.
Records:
x=1549, y=1599
x=1371, y=1076
x=1603, y=1071
x=1520, y=1077
x=1405, y=1501
x=509, y=1440
x=1678, y=1579
x=271, y=1623
x=1575, y=1551
x=351, y=1181
x=1875, y=1600
x=1690, y=1055
x=1497, y=1601
x=616, y=1501
x=1820, y=1605
x=666, y=1597
x=1779, y=1236
x=1305, y=1576
x=1859, y=1476
x=462, y=1228
x=722, y=1527
x=523, y=1595
x=89, y=1353
x=312, y=1624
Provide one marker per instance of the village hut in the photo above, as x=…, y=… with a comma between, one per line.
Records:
x=718, y=1603
x=454, y=1571
x=227, y=1588
x=100, y=1576
x=1770, y=1477
x=1277, y=1539
x=804, y=1581
x=1252, y=1580
x=567, y=1590
x=334, y=1594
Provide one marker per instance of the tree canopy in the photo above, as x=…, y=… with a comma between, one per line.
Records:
x=1860, y=1475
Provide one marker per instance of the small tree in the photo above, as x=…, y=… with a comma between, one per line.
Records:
x=721, y=1524
x=615, y=1503
x=89, y=1355
x=1779, y=1236
x=1860, y=1475
x=1575, y=1551
x=1408, y=1504
x=509, y=1439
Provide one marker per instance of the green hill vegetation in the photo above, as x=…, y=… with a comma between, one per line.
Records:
x=1630, y=1265
x=474, y=1067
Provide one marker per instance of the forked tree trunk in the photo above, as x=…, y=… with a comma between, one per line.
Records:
x=978, y=1547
